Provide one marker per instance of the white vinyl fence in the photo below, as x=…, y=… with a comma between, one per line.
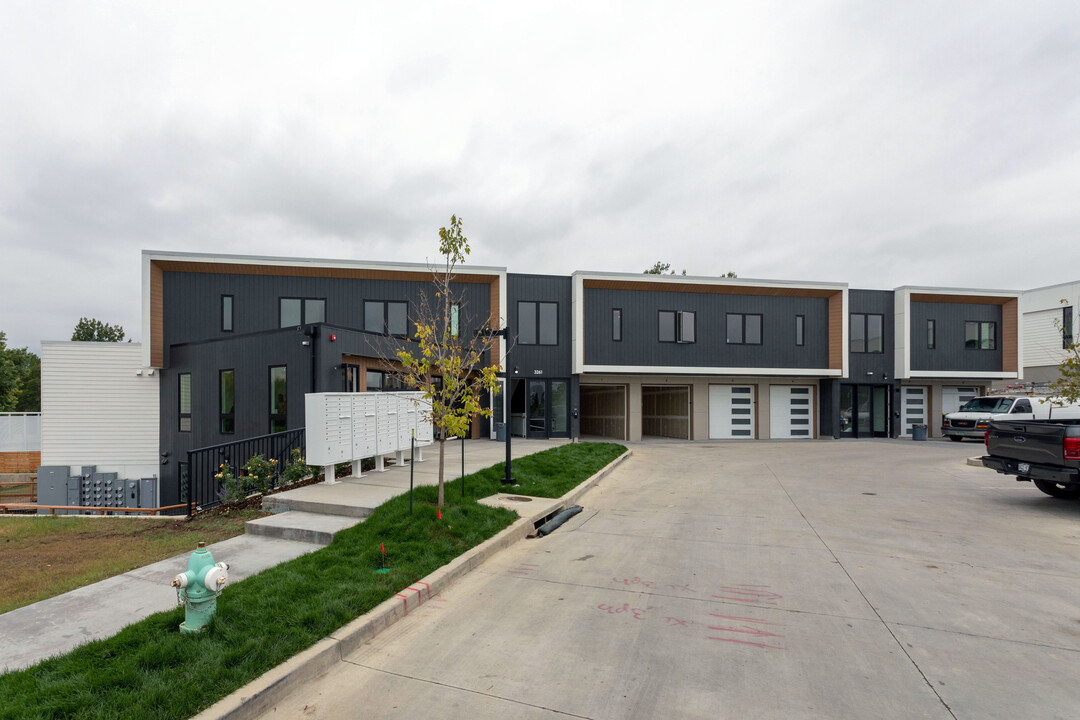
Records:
x=20, y=432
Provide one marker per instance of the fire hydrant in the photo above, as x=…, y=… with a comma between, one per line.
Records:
x=197, y=589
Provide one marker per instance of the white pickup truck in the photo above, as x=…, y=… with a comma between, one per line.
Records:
x=973, y=417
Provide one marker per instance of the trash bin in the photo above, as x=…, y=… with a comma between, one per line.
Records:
x=918, y=432
x=500, y=432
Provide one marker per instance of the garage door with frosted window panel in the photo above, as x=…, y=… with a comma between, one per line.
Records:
x=953, y=397
x=791, y=411
x=913, y=407
x=731, y=411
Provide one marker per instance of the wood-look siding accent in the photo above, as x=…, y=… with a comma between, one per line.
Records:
x=962, y=299
x=20, y=462
x=836, y=332
x=157, y=316
x=648, y=286
x=1010, y=355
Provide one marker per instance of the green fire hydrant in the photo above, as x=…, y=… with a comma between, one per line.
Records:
x=197, y=589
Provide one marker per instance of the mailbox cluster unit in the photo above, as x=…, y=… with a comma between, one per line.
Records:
x=57, y=486
x=344, y=427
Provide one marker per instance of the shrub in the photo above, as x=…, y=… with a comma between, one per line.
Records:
x=260, y=472
x=232, y=487
x=295, y=469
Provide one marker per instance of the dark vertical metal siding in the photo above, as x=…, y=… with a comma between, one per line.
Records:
x=873, y=367
x=949, y=353
x=640, y=344
x=554, y=361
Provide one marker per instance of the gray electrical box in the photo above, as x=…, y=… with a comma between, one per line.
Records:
x=52, y=482
x=131, y=493
x=73, y=493
x=148, y=492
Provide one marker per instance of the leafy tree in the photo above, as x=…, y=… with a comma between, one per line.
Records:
x=9, y=378
x=1067, y=386
x=28, y=367
x=444, y=361
x=93, y=330
x=663, y=268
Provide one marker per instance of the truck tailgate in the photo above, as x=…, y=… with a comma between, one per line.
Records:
x=1032, y=442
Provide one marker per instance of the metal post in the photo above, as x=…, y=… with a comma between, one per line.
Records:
x=189, y=487
x=412, y=447
x=463, y=467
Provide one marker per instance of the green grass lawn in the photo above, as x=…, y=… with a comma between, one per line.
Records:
x=149, y=670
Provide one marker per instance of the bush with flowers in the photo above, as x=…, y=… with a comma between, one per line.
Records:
x=232, y=487
x=295, y=469
x=260, y=473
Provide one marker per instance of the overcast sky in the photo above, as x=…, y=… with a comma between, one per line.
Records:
x=878, y=144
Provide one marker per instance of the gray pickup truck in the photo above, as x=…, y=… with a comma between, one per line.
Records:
x=1046, y=452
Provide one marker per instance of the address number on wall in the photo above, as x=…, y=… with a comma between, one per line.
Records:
x=538, y=372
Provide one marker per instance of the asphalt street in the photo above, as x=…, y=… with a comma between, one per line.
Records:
x=823, y=579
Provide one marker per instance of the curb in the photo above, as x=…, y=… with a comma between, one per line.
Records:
x=261, y=694
x=975, y=461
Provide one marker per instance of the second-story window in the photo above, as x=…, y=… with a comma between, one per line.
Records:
x=1066, y=328
x=616, y=324
x=301, y=311
x=743, y=329
x=800, y=330
x=386, y=318
x=538, y=323
x=677, y=326
x=931, y=335
x=226, y=313
x=867, y=333
x=980, y=335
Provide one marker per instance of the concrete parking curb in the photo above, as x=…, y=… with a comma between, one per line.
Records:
x=261, y=694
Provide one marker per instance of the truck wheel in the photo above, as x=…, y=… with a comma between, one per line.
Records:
x=1054, y=490
x=955, y=438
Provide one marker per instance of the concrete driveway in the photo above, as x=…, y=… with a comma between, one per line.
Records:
x=824, y=579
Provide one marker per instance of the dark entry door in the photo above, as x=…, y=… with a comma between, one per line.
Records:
x=541, y=408
x=864, y=411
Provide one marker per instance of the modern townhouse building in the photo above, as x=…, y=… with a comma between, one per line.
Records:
x=238, y=341
x=1050, y=319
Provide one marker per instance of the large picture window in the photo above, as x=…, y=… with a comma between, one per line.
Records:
x=301, y=311
x=279, y=398
x=538, y=323
x=185, y=401
x=387, y=318
x=980, y=335
x=867, y=333
x=743, y=329
x=227, y=395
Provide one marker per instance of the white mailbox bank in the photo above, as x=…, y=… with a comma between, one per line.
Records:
x=347, y=427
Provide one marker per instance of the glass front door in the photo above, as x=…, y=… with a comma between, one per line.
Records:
x=864, y=411
x=540, y=408
x=537, y=407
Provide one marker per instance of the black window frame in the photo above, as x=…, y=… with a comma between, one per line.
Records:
x=800, y=330
x=223, y=416
x=931, y=334
x=272, y=416
x=536, y=335
x=385, y=330
x=616, y=324
x=865, y=324
x=227, y=318
x=1066, y=327
x=680, y=327
x=304, y=320
x=981, y=337
x=181, y=415
x=660, y=326
x=742, y=328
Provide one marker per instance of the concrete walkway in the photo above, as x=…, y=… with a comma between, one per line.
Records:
x=766, y=580
x=57, y=625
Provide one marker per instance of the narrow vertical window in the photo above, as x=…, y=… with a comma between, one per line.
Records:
x=800, y=330
x=616, y=324
x=857, y=331
x=1066, y=327
x=687, y=322
x=527, y=323
x=185, y=402
x=548, y=323
x=226, y=313
x=279, y=397
x=875, y=333
x=455, y=312
x=931, y=335
x=227, y=394
x=988, y=336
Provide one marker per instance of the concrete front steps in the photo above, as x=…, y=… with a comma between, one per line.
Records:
x=313, y=514
x=315, y=528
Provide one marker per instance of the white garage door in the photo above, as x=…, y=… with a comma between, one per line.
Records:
x=914, y=404
x=953, y=397
x=731, y=411
x=791, y=411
